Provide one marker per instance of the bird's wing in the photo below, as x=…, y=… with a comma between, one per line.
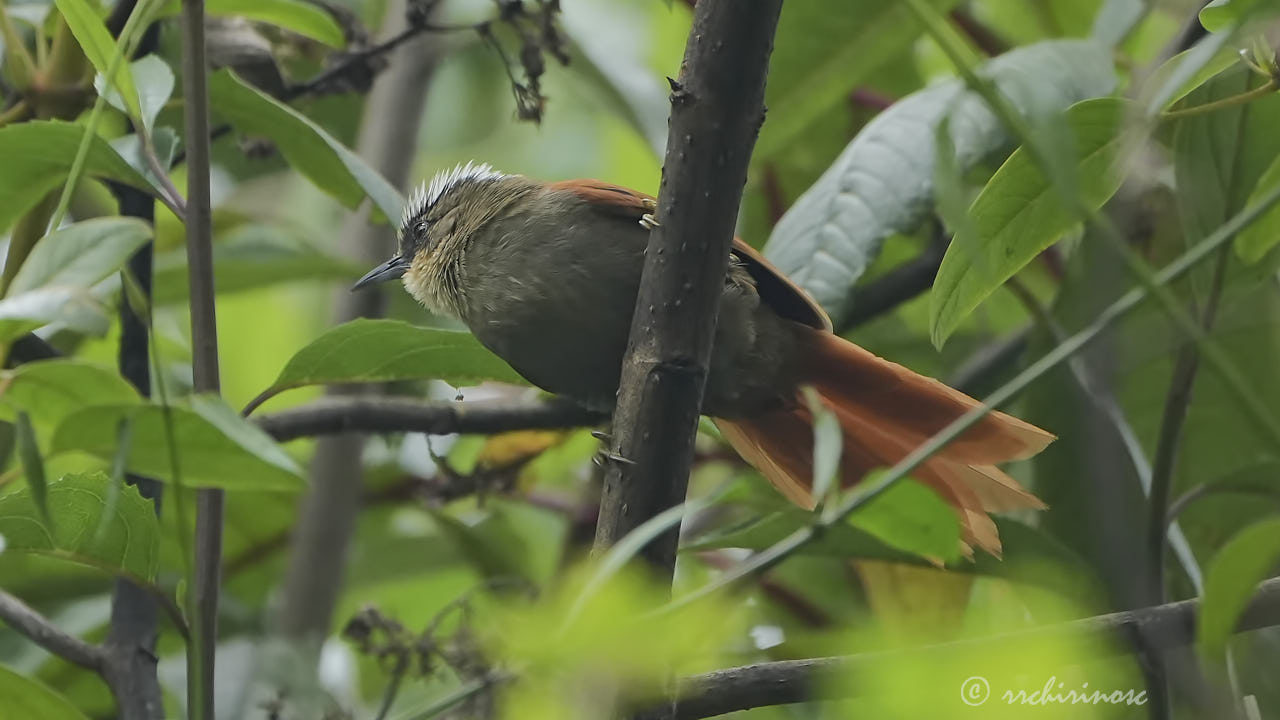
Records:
x=776, y=290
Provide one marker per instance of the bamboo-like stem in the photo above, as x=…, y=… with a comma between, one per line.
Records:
x=204, y=359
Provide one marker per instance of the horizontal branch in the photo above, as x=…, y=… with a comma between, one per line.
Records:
x=1159, y=628
x=41, y=631
x=388, y=415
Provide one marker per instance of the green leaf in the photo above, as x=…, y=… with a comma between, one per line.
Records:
x=251, y=257
x=385, y=350
x=1257, y=240
x=303, y=18
x=882, y=183
x=98, y=45
x=1188, y=70
x=76, y=308
x=1021, y=212
x=1221, y=15
x=154, y=79
x=37, y=157
x=911, y=517
x=820, y=56
x=49, y=390
x=1219, y=158
x=32, y=464
x=130, y=542
x=30, y=699
x=81, y=255
x=1233, y=576
x=307, y=147
x=216, y=447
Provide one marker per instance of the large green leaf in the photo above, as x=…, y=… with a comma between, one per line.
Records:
x=50, y=390
x=81, y=255
x=1222, y=15
x=1021, y=212
x=251, y=257
x=53, y=285
x=1256, y=240
x=384, y=350
x=28, y=699
x=882, y=183
x=74, y=308
x=819, y=57
x=909, y=516
x=1233, y=575
x=1028, y=556
x=216, y=447
x=98, y=45
x=307, y=147
x=37, y=156
x=125, y=540
x=303, y=18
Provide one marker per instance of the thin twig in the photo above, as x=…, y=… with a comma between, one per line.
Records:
x=387, y=415
x=41, y=631
x=897, y=286
x=1169, y=439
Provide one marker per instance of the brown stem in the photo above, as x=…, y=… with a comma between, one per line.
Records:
x=39, y=630
x=389, y=415
x=204, y=359
x=717, y=109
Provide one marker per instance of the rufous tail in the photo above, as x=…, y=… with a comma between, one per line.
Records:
x=886, y=411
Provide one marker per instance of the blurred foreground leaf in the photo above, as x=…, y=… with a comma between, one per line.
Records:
x=29, y=699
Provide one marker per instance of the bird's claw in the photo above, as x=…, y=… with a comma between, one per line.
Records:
x=648, y=221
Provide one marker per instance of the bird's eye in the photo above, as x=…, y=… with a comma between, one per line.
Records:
x=422, y=227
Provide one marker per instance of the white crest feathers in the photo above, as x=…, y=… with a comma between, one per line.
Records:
x=427, y=194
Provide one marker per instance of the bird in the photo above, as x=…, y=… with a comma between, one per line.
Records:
x=546, y=274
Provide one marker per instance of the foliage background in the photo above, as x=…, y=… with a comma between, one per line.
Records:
x=835, y=66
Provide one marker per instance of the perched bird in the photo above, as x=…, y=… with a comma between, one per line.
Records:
x=546, y=276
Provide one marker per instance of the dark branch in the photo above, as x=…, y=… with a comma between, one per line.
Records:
x=716, y=114
x=903, y=283
x=389, y=415
x=39, y=630
x=1163, y=627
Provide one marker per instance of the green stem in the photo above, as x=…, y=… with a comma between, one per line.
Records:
x=1255, y=94
x=14, y=114
x=18, y=58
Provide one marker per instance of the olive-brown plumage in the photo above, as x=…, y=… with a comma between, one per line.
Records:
x=546, y=276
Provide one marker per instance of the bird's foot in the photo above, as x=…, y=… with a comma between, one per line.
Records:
x=648, y=221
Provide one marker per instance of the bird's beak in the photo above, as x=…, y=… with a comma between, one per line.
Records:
x=389, y=270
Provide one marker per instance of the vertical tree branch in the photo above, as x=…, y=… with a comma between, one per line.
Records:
x=130, y=669
x=388, y=132
x=716, y=112
x=204, y=359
